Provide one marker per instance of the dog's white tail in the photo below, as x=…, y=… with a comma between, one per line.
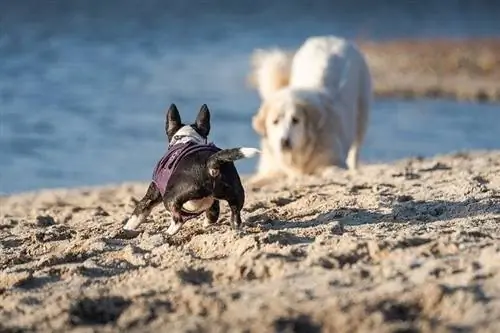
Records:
x=227, y=156
x=249, y=152
x=270, y=70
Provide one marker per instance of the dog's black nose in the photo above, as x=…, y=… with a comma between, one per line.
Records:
x=285, y=144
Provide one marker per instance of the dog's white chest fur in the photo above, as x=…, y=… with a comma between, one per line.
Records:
x=198, y=205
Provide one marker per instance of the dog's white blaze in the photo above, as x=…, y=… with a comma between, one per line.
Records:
x=198, y=205
x=249, y=152
x=188, y=134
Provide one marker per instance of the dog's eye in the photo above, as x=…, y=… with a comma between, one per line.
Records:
x=275, y=121
x=295, y=120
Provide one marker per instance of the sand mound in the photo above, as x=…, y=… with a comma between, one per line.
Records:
x=411, y=246
x=459, y=69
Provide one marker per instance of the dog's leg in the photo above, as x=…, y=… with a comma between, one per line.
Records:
x=267, y=163
x=143, y=208
x=362, y=116
x=235, y=215
x=176, y=223
x=351, y=162
x=212, y=214
x=352, y=157
x=175, y=209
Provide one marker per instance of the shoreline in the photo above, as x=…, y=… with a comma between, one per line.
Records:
x=408, y=245
x=244, y=177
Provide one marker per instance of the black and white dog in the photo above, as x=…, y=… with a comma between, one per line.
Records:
x=192, y=176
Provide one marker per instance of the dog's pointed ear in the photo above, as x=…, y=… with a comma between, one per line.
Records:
x=203, y=120
x=259, y=121
x=173, y=121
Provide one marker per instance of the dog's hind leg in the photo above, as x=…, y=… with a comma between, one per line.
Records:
x=353, y=157
x=235, y=215
x=363, y=109
x=143, y=208
x=212, y=214
x=176, y=223
x=174, y=206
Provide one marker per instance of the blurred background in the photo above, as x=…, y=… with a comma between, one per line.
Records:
x=84, y=85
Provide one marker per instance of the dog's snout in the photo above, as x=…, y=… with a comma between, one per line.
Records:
x=285, y=143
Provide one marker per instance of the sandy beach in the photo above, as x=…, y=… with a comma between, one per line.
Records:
x=412, y=246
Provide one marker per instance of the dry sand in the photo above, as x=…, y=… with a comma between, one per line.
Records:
x=406, y=247
x=451, y=68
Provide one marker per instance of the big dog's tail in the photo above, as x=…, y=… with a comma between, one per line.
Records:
x=270, y=70
x=228, y=155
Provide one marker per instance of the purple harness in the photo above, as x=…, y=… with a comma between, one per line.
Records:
x=169, y=162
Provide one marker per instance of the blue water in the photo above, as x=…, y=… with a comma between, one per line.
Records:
x=84, y=84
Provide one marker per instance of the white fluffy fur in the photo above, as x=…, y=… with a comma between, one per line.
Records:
x=319, y=98
x=249, y=152
x=271, y=70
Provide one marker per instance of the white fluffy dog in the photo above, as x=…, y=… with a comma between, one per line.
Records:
x=315, y=106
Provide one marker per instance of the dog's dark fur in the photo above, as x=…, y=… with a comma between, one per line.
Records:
x=198, y=175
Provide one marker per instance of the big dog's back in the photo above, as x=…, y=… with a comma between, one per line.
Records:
x=325, y=62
